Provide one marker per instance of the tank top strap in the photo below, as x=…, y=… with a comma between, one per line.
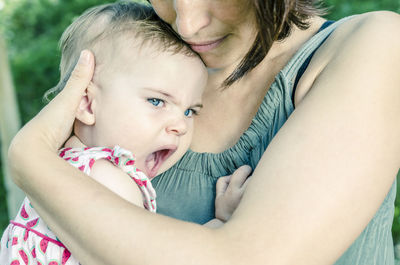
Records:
x=292, y=68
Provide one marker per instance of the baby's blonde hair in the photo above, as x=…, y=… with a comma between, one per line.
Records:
x=101, y=24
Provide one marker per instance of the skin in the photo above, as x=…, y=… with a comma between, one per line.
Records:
x=128, y=106
x=204, y=21
x=127, y=102
x=313, y=168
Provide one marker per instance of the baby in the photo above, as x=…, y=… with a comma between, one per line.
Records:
x=145, y=91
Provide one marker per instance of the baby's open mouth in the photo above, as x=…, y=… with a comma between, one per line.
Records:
x=156, y=159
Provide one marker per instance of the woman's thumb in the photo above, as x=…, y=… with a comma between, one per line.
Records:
x=80, y=78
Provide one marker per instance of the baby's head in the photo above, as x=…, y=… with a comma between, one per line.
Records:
x=146, y=88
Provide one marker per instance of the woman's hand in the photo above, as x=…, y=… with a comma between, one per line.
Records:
x=49, y=129
x=229, y=191
x=53, y=125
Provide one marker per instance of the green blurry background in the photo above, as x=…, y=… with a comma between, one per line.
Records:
x=32, y=29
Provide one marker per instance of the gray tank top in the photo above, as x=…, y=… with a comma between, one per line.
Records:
x=187, y=190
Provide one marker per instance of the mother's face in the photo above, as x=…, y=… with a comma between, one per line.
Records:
x=221, y=31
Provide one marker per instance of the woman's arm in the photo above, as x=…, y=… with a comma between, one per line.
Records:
x=338, y=150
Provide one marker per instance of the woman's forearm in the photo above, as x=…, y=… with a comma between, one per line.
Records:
x=97, y=225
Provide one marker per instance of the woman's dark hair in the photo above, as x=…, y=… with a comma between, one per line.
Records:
x=274, y=20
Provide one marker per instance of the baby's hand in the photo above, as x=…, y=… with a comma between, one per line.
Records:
x=229, y=191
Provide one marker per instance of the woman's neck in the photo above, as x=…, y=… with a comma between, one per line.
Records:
x=228, y=112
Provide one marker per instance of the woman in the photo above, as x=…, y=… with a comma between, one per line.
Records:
x=320, y=193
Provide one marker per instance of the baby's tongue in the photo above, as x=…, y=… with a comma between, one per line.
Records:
x=150, y=163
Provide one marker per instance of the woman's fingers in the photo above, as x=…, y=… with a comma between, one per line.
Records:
x=78, y=81
x=244, y=186
x=59, y=115
x=239, y=177
x=53, y=125
x=222, y=185
x=238, y=180
x=229, y=192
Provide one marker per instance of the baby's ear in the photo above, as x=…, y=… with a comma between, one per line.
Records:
x=85, y=112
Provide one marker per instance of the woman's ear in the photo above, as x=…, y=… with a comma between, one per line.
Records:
x=85, y=112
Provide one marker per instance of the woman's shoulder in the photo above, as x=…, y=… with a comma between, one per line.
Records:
x=368, y=40
x=374, y=26
x=371, y=38
x=368, y=32
x=384, y=20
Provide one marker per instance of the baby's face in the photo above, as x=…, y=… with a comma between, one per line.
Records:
x=146, y=103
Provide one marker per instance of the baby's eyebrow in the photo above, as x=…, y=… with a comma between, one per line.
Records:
x=198, y=105
x=169, y=96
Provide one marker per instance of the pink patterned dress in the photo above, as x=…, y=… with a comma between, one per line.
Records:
x=28, y=240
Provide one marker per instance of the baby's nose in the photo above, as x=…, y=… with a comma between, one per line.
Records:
x=178, y=125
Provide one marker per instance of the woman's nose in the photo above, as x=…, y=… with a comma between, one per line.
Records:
x=191, y=17
x=177, y=125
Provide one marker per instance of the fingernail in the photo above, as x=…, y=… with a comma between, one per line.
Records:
x=84, y=57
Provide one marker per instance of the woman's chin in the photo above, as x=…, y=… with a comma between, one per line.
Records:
x=220, y=64
x=212, y=62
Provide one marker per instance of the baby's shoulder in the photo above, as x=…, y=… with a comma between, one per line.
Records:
x=115, y=179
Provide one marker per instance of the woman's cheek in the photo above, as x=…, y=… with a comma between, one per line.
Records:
x=165, y=10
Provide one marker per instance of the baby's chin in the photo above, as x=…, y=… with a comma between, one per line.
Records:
x=165, y=166
x=172, y=160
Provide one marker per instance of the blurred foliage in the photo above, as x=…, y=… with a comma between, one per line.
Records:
x=3, y=202
x=396, y=219
x=342, y=8
x=32, y=29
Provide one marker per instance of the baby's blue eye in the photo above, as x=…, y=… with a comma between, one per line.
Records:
x=190, y=112
x=156, y=102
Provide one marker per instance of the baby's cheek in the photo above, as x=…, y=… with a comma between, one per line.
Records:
x=182, y=148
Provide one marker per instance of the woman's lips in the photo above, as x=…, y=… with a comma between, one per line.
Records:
x=205, y=46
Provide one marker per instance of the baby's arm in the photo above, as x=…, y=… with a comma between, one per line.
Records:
x=229, y=192
x=111, y=177
x=117, y=181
